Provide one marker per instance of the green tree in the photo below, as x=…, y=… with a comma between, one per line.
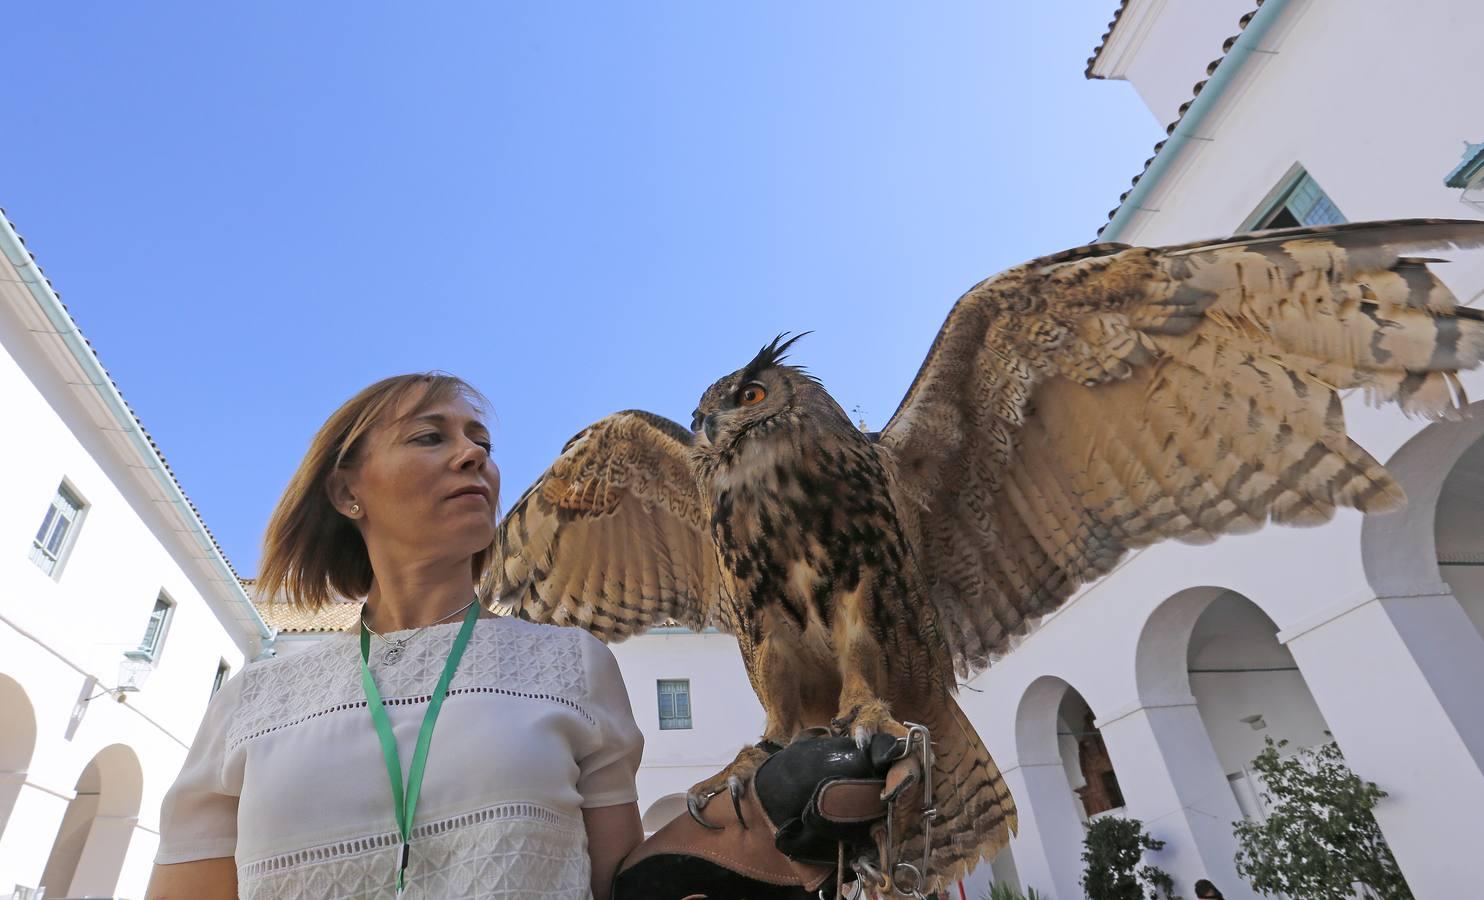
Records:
x=1002, y=891
x=1112, y=852
x=1320, y=838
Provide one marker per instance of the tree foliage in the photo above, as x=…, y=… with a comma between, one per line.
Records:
x=1002, y=891
x=1112, y=853
x=1320, y=838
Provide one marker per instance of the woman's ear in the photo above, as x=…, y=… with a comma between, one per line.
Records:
x=342, y=497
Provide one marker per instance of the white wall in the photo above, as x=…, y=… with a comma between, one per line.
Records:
x=1468, y=587
x=725, y=713
x=1372, y=97
x=1234, y=634
x=1460, y=533
x=1162, y=48
x=1373, y=100
x=122, y=557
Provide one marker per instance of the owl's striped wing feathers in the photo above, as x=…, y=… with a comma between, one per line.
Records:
x=1110, y=397
x=612, y=537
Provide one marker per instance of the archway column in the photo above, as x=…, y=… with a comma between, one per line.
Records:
x=23, y=849
x=17, y=745
x=102, y=857
x=11, y=783
x=1172, y=781
x=1048, y=844
x=1399, y=681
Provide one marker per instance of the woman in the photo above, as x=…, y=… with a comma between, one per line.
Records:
x=526, y=784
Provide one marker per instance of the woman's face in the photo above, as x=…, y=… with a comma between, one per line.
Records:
x=425, y=485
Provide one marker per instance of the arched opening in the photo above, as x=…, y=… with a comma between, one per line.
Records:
x=1220, y=649
x=1050, y=720
x=17, y=743
x=1085, y=757
x=1056, y=723
x=1440, y=470
x=1248, y=688
x=88, y=852
x=1459, y=532
x=662, y=811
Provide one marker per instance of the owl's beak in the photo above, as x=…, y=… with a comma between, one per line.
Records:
x=696, y=421
x=708, y=429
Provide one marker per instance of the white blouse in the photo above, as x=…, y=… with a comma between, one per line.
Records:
x=287, y=774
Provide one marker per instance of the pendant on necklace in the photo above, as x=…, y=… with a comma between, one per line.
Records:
x=392, y=653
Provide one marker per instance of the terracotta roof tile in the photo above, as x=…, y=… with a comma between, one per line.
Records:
x=1226, y=47
x=289, y=619
x=1103, y=41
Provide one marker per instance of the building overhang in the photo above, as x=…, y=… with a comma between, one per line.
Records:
x=26, y=289
x=1238, y=50
x=1120, y=43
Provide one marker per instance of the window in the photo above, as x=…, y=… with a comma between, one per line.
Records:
x=1469, y=175
x=154, y=632
x=674, y=703
x=1296, y=201
x=60, y=523
x=222, y=672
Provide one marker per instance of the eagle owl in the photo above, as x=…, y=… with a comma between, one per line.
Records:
x=1069, y=410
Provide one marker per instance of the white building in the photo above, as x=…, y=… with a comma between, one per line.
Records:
x=118, y=613
x=1180, y=662
x=1150, y=692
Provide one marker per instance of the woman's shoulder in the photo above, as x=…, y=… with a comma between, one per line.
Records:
x=275, y=684
x=335, y=644
x=520, y=630
x=563, y=656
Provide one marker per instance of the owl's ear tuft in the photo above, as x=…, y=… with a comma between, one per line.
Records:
x=772, y=355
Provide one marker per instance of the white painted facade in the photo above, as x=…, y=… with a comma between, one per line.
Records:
x=1187, y=657
x=1369, y=630
x=79, y=808
x=725, y=714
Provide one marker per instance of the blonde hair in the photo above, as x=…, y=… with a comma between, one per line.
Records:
x=312, y=552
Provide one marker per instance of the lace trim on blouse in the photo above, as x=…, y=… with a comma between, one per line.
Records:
x=505, y=656
x=504, y=812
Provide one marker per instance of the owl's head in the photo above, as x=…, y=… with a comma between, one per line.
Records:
x=759, y=398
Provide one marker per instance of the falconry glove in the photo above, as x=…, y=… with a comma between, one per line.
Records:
x=813, y=808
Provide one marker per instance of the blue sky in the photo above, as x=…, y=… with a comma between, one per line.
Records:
x=254, y=210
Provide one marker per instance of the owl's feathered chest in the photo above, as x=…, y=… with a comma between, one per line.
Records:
x=802, y=518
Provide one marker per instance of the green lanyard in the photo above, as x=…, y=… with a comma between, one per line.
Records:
x=406, y=803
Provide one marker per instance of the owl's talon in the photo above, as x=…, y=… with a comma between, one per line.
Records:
x=736, y=788
x=840, y=725
x=863, y=721
x=693, y=806
x=733, y=779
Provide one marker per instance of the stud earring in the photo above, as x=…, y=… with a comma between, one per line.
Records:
x=355, y=509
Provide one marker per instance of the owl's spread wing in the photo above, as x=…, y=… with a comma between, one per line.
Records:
x=1110, y=397
x=613, y=536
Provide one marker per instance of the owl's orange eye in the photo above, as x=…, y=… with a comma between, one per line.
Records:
x=751, y=395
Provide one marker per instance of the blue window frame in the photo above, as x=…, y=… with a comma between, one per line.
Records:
x=674, y=694
x=154, y=632
x=223, y=672
x=1298, y=200
x=58, y=527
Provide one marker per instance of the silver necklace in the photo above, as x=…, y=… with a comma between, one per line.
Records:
x=395, y=646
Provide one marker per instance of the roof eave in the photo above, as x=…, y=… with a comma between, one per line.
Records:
x=252, y=636
x=1254, y=26
x=1093, y=70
